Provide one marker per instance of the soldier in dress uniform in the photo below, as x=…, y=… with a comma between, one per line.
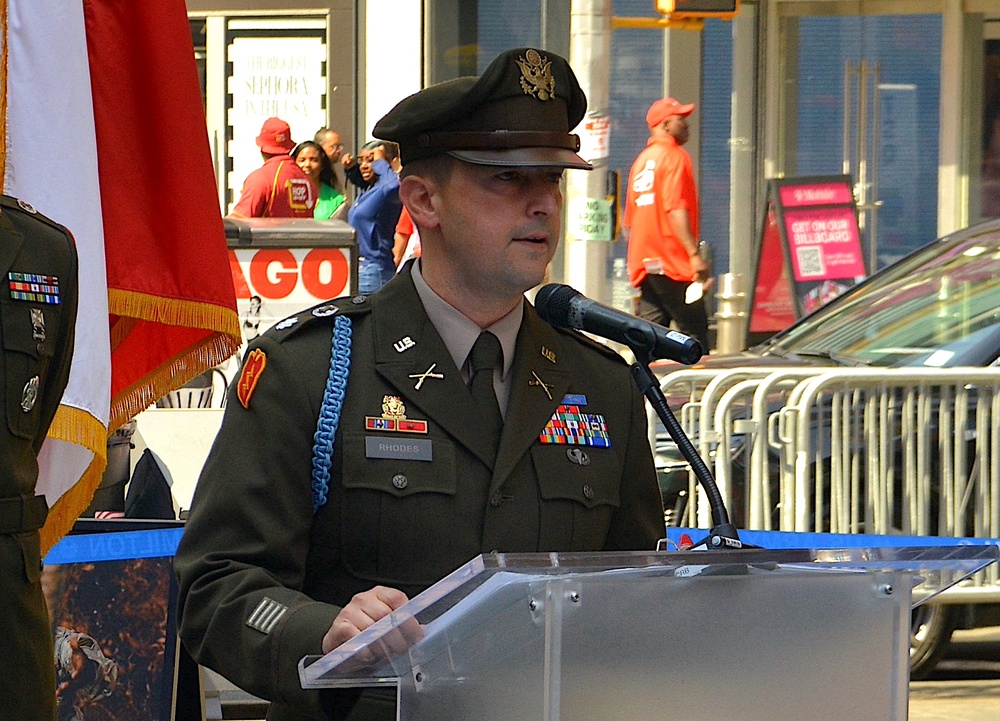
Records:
x=372, y=445
x=37, y=322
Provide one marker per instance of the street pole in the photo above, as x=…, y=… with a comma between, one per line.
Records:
x=589, y=229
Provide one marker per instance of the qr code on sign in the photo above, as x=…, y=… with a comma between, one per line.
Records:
x=810, y=259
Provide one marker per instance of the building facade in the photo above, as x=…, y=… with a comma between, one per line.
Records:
x=903, y=96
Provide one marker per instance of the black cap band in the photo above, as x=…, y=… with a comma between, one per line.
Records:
x=496, y=140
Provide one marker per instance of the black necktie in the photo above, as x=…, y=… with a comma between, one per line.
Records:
x=486, y=355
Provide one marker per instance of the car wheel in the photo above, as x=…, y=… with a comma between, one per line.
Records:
x=931, y=625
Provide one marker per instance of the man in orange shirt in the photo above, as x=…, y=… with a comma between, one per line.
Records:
x=661, y=213
x=279, y=188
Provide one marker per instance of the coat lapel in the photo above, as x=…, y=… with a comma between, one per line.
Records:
x=540, y=381
x=411, y=356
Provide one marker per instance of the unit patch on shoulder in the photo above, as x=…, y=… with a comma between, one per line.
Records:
x=253, y=368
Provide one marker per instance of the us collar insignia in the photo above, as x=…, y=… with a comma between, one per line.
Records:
x=549, y=355
x=536, y=76
x=404, y=343
x=253, y=368
x=394, y=418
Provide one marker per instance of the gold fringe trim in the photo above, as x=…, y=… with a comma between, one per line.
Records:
x=170, y=376
x=80, y=427
x=184, y=313
x=71, y=504
x=213, y=350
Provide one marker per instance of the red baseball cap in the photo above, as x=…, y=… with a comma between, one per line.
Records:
x=275, y=137
x=664, y=108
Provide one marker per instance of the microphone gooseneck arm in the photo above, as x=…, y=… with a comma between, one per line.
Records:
x=564, y=307
x=723, y=533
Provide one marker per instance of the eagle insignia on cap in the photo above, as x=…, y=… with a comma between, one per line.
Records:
x=536, y=76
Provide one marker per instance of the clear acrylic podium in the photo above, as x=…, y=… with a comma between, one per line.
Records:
x=752, y=634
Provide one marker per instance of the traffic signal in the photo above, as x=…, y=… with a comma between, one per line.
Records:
x=721, y=9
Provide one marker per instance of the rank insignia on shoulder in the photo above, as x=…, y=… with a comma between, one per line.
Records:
x=569, y=426
x=286, y=323
x=324, y=311
x=253, y=368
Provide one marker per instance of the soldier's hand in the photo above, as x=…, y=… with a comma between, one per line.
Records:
x=363, y=610
x=347, y=160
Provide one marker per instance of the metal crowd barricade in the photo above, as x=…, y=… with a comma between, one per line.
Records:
x=912, y=452
x=851, y=450
x=884, y=423
x=722, y=403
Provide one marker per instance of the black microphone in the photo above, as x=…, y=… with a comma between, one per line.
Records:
x=565, y=307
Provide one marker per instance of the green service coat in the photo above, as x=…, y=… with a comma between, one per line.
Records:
x=253, y=542
x=37, y=329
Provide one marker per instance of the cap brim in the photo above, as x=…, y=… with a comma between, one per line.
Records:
x=524, y=158
x=272, y=148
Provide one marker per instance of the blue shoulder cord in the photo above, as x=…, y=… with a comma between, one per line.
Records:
x=329, y=412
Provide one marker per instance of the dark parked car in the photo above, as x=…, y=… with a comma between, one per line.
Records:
x=936, y=308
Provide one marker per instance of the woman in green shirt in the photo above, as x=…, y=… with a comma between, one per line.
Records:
x=314, y=163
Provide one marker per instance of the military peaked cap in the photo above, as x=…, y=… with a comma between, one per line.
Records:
x=520, y=112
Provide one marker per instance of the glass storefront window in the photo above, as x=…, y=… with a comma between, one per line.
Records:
x=863, y=97
x=715, y=179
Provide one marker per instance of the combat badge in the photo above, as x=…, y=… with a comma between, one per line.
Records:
x=252, y=371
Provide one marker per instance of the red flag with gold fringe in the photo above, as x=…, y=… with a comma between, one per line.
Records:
x=119, y=79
